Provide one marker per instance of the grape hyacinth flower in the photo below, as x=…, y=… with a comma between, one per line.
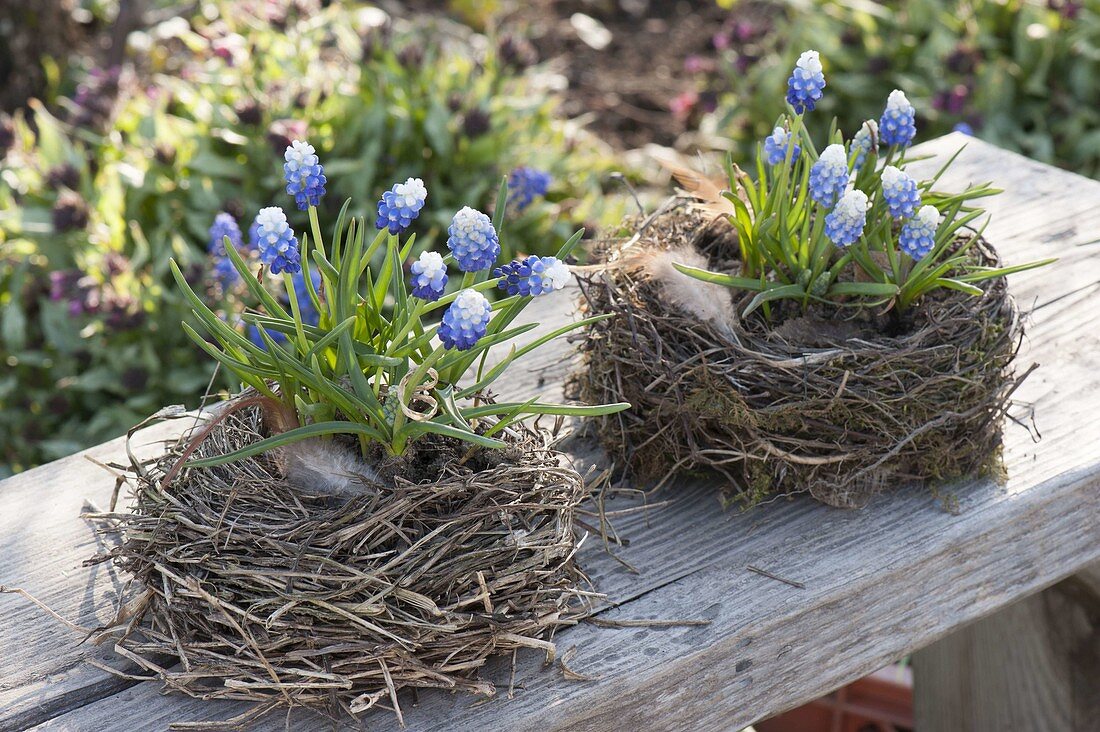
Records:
x=807, y=81
x=257, y=339
x=400, y=205
x=254, y=235
x=918, y=235
x=465, y=321
x=964, y=128
x=864, y=141
x=844, y=225
x=777, y=144
x=278, y=245
x=900, y=192
x=224, y=225
x=829, y=175
x=305, y=177
x=525, y=184
x=898, y=124
x=310, y=315
x=225, y=274
x=473, y=240
x=532, y=276
x=429, y=276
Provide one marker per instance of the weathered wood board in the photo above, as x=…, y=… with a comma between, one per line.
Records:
x=875, y=584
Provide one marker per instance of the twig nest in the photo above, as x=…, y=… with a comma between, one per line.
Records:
x=259, y=591
x=839, y=403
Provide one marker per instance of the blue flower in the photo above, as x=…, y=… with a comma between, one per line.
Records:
x=776, y=146
x=900, y=192
x=525, y=184
x=864, y=142
x=310, y=315
x=473, y=240
x=465, y=321
x=278, y=245
x=400, y=205
x=254, y=336
x=918, y=235
x=254, y=235
x=807, y=81
x=305, y=178
x=224, y=225
x=898, y=124
x=225, y=274
x=533, y=276
x=964, y=128
x=429, y=276
x=844, y=225
x=829, y=176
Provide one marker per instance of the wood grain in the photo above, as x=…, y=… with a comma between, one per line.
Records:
x=1035, y=665
x=877, y=583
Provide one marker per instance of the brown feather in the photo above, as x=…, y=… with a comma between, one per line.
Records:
x=707, y=192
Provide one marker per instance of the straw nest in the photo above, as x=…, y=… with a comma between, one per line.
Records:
x=257, y=591
x=840, y=403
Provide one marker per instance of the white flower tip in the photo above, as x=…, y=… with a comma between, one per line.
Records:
x=898, y=101
x=809, y=61
x=834, y=155
x=854, y=202
x=892, y=175
x=559, y=274
x=929, y=215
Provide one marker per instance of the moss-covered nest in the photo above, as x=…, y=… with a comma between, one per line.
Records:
x=841, y=403
x=258, y=591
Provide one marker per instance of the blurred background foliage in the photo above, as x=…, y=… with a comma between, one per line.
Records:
x=127, y=125
x=1021, y=74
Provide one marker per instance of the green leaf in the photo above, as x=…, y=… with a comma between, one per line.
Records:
x=742, y=283
x=874, y=289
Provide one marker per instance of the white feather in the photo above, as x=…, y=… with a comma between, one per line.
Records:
x=705, y=300
x=326, y=467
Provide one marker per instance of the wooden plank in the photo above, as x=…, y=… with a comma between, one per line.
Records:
x=877, y=583
x=1034, y=665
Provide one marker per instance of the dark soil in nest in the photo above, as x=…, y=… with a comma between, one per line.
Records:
x=836, y=402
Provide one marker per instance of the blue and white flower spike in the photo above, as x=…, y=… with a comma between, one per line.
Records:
x=900, y=192
x=465, y=321
x=829, y=175
x=533, y=276
x=400, y=205
x=473, y=240
x=776, y=145
x=918, y=235
x=863, y=142
x=278, y=245
x=224, y=225
x=898, y=124
x=429, y=276
x=807, y=81
x=525, y=185
x=844, y=225
x=305, y=178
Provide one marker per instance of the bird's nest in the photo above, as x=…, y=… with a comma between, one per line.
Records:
x=839, y=403
x=247, y=588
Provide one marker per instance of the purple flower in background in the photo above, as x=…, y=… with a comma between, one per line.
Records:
x=224, y=226
x=525, y=184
